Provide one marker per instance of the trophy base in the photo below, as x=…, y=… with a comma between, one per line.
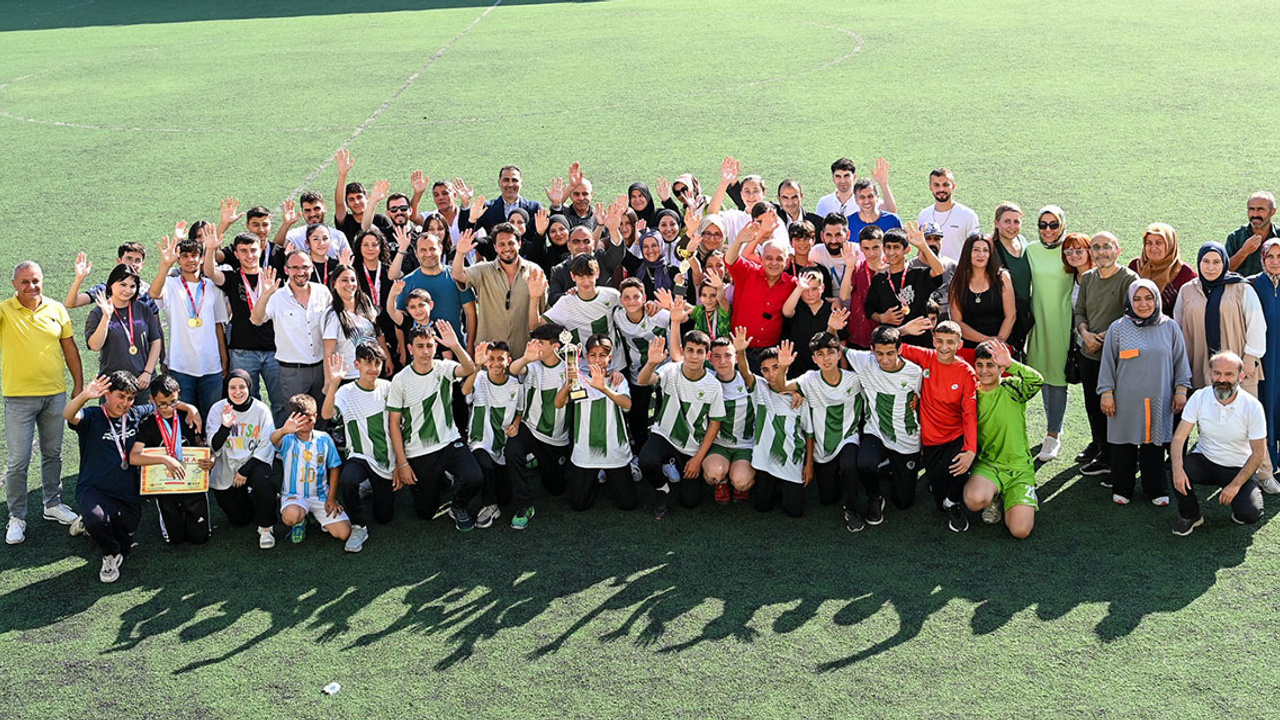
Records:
x=578, y=394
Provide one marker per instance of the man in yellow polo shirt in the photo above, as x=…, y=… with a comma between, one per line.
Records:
x=36, y=340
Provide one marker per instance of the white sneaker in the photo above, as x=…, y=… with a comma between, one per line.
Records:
x=673, y=474
x=17, y=531
x=1162, y=501
x=266, y=538
x=1122, y=500
x=60, y=513
x=77, y=527
x=992, y=513
x=110, y=569
x=355, y=542
x=636, y=476
x=1268, y=485
x=1049, y=449
x=487, y=515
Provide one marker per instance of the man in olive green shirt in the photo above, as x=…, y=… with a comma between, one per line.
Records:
x=501, y=287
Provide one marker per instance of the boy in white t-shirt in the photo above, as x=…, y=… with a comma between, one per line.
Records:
x=541, y=446
x=497, y=407
x=311, y=463
x=600, y=441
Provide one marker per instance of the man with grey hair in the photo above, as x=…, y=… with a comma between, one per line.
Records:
x=1231, y=448
x=1245, y=243
x=36, y=340
x=760, y=289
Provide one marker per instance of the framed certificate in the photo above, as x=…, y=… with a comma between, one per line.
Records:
x=157, y=481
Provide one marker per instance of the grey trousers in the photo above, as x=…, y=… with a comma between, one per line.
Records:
x=22, y=416
x=303, y=381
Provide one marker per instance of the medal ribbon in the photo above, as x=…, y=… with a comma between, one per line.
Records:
x=249, y=294
x=197, y=301
x=128, y=329
x=172, y=439
x=375, y=291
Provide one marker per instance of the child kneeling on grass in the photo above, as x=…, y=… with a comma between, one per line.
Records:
x=310, y=459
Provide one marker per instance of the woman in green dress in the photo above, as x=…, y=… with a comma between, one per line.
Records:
x=1051, y=308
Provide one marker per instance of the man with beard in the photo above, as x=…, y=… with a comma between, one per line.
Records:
x=843, y=175
x=501, y=288
x=829, y=253
x=579, y=211
x=1244, y=244
x=1232, y=446
x=313, y=213
x=954, y=219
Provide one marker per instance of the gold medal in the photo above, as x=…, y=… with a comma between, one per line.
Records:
x=133, y=349
x=194, y=322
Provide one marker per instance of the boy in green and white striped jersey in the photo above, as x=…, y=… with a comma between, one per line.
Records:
x=891, y=386
x=361, y=407
x=544, y=432
x=636, y=323
x=833, y=397
x=586, y=311
x=599, y=430
x=783, y=452
x=729, y=461
x=497, y=403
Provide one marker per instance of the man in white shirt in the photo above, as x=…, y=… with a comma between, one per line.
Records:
x=1232, y=445
x=297, y=316
x=955, y=220
x=313, y=213
x=843, y=176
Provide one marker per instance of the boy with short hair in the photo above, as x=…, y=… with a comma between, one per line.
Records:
x=586, y=312
x=497, y=405
x=600, y=441
x=900, y=293
x=541, y=446
x=361, y=408
x=728, y=464
x=416, y=313
x=311, y=473
x=184, y=517
x=636, y=326
x=782, y=456
x=196, y=311
x=1004, y=473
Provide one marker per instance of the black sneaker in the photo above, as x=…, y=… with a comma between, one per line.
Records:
x=1089, y=452
x=1183, y=526
x=1097, y=466
x=1106, y=481
x=852, y=522
x=875, y=510
x=462, y=519
x=956, y=520
x=660, y=506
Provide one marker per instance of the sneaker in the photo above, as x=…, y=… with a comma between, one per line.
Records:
x=62, y=514
x=487, y=515
x=77, y=527
x=992, y=513
x=723, y=494
x=520, y=520
x=298, y=532
x=1183, y=526
x=1122, y=500
x=1097, y=467
x=266, y=538
x=1162, y=501
x=462, y=520
x=600, y=478
x=17, y=531
x=110, y=571
x=1106, y=482
x=636, y=475
x=660, y=506
x=1049, y=449
x=1269, y=485
x=956, y=520
x=1089, y=452
x=366, y=489
x=355, y=541
x=853, y=522
x=741, y=496
x=671, y=472
x=875, y=510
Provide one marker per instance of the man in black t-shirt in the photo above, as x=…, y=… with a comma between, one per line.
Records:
x=351, y=202
x=899, y=294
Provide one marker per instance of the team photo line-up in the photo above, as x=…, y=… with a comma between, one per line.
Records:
x=476, y=350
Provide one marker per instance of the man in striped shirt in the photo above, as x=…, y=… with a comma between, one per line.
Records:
x=497, y=405
x=541, y=446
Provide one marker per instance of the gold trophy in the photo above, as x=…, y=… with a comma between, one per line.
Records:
x=569, y=352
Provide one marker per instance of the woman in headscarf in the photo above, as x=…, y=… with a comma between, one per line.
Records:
x=548, y=246
x=1218, y=311
x=641, y=201
x=651, y=266
x=1144, y=381
x=1267, y=286
x=667, y=223
x=1050, y=340
x=687, y=190
x=1161, y=263
x=239, y=430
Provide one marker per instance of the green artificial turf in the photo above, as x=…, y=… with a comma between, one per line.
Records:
x=116, y=119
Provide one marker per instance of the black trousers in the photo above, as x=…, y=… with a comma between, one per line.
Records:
x=549, y=463
x=497, y=479
x=255, y=500
x=769, y=489
x=1089, y=370
x=903, y=471
x=838, y=478
x=655, y=453
x=638, y=415
x=1125, y=462
x=937, y=461
x=184, y=518
x=110, y=522
x=429, y=471
x=354, y=472
x=1247, y=505
x=582, y=485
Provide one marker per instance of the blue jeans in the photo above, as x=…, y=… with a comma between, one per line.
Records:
x=22, y=416
x=262, y=364
x=1055, y=406
x=199, y=390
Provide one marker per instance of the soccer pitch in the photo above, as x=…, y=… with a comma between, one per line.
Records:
x=117, y=119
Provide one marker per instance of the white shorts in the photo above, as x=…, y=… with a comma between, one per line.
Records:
x=313, y=505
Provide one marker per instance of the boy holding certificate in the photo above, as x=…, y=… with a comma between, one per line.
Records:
x=184, y=517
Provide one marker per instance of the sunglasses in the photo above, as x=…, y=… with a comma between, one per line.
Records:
x=1054, y=225
x=398, y=208
x=1075, y=251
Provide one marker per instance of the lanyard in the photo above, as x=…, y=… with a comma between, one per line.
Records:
x=375, y=290
x=902, y=282
x=197, y=301
x=128, y=329
x=118, y=438
x=172, y=439
x=324, y=279
x=249, y=295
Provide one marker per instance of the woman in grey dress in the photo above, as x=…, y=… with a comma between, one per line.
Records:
x=1144, y=381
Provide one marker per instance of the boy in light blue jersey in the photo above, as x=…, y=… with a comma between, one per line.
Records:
x=311, y=473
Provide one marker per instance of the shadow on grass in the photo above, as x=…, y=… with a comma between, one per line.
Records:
x=97, y=13
x=653, y=577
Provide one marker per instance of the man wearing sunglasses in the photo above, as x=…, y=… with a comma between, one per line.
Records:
x=501, y=288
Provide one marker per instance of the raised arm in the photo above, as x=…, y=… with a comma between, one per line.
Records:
x=729, y=170
x=75, y=298
x=268, y=286
x=881, y=175
x=212, y=241
x=344, y=161
x=168, y=256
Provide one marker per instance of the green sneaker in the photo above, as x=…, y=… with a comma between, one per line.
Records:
x=521, y=519
x=298, y=533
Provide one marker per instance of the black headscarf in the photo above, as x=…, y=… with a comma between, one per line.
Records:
x=1213, y=292
x=650, y=213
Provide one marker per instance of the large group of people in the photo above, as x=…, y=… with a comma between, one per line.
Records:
x=667, y=344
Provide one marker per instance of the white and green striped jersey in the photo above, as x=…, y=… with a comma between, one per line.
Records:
x=633, y=338
x=780, y=434
x=544, y=420
x=584, y=318
x=426, y=401
x=687, y=407
x=600, y=430
x=835, y=411
x=890, y=396
x=739, y=428
x=364, y=415
x=494, y=407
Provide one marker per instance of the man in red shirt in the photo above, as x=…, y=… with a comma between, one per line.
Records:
x=759, y=290
x=949, y=419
